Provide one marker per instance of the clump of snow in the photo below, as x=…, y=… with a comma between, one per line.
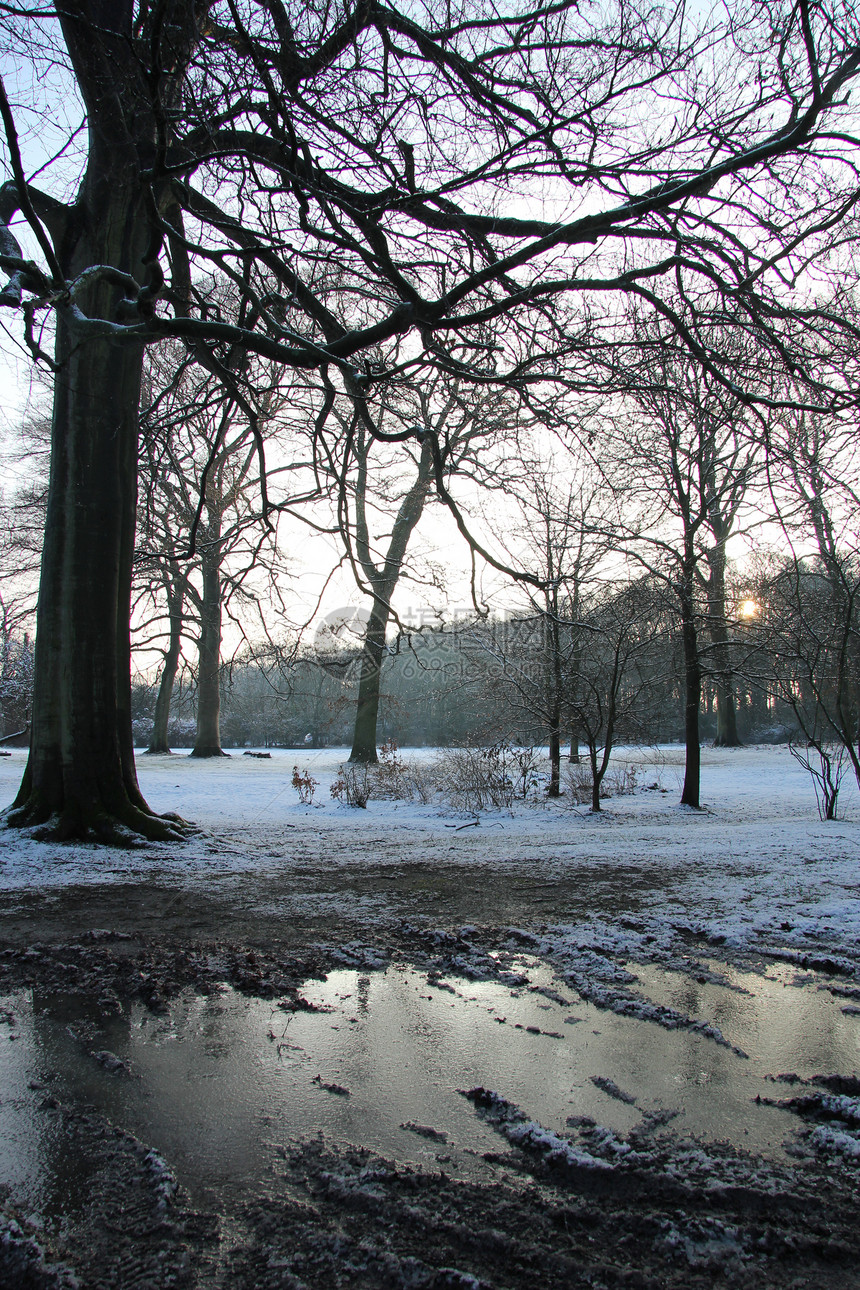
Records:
x=609, y=1087
x=627, y=1004
x=460, y=957
x=520, y=1131
x=425, y=1131
x=704, y=1243
x=833, y=964
x=355, y=955
x=828, y=1140
x=838, y=1133
x=162, y=1176
x=23, y=1261
x=337, y=1089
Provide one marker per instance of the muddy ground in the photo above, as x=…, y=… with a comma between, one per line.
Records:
x=343, y=1218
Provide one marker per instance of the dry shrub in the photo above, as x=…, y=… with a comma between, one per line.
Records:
x=390, y=776
x=619, y=781
x=390, y=779
x=353, y=785
x=483, y=778
x=577, y=777
x=305, y=785
x=474, y=779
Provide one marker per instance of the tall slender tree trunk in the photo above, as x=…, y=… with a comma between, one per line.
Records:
x=596, y=778
x=692, y=694
x=727, y=726
x=575, y=670
x=383, y=582
x=554, y=789
x=367, y=709
x=208, y=739
x=159, y=742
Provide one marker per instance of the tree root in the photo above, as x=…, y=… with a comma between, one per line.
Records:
x=126, y=826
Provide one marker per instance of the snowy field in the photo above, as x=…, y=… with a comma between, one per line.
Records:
x=756, y=866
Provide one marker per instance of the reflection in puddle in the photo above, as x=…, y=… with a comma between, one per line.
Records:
x=221, y=1083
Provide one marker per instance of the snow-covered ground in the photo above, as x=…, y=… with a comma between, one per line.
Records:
x=755, y=867
x=652, y=996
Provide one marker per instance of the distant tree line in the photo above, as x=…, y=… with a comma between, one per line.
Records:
x=477, y=681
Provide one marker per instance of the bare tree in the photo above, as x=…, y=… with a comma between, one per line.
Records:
x=560, y=540
x=355, y=172
x=174, y=584
x=609, y=691
x=463, y=424
x=808, y=610
x=688, y=462
x=204, y=535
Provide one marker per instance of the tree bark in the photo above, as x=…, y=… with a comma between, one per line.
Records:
x=81, y=776
x=159, y=742
x=554, y=789
x=207, y=742
x=692, y=695
x=595, y=779
x=80, y=780
x=367, y=709
x=727, y=728
x=383, y=582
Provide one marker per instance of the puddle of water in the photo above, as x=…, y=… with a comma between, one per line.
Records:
x=783, y=1025
x=222, y=1083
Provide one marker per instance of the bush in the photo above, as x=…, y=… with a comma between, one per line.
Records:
x=305, y=785
x=528, y=765
x=353, y=785
x=622, y=781
x=477, y=779
x=619, y=781
x=391, y=779
x=577, y=776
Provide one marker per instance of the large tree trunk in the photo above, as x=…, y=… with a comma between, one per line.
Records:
x=159, y=742
x=81, y=776
x=692, y=696
x=207, y=742
x=367, y=710
x=80, y=779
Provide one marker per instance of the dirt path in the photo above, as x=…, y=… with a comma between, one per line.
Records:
x=313, y=902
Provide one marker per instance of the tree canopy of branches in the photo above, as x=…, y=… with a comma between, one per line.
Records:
x=686, y=463
x=360, y=171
